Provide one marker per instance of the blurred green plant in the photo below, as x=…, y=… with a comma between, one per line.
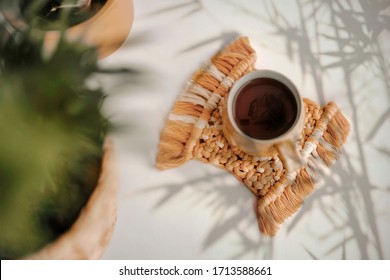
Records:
x=51, y=136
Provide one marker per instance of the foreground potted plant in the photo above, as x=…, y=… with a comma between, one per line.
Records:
x=58, y=182
x=104, y=24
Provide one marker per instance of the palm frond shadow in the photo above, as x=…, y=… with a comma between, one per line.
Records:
x=195, y=4
x=225, y=37
x=222, y=200
x=311, y=254
x=170, y=191
x=258, y=247
x=138, y=39
x=358, y=49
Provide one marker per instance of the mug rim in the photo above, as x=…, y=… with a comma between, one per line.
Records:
x=263, y=73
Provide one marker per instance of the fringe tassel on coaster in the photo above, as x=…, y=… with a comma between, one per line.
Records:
x=274, y=210
x=192, y=110
x=172, y=144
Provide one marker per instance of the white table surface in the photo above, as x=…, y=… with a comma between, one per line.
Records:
x=333, y=51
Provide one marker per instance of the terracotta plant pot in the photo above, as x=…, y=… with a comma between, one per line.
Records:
x=107, y=30
x=90, y=234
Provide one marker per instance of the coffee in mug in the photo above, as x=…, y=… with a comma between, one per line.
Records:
x=264, y=108
x=263, y=115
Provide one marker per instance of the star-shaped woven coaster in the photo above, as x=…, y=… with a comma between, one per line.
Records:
x=194, y=131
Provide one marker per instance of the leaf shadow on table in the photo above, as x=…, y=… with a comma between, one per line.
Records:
x=229, y=202
x=223, y=38
x=353, y=28
x=194, y=5
x=354, y=31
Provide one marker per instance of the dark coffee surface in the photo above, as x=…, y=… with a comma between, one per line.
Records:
x=264, y=108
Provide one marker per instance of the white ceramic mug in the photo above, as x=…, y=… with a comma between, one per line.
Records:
x=283, y=144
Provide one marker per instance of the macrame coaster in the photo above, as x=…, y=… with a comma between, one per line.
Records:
x=194, y=131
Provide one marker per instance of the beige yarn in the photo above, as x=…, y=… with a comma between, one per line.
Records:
x=194, y=131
